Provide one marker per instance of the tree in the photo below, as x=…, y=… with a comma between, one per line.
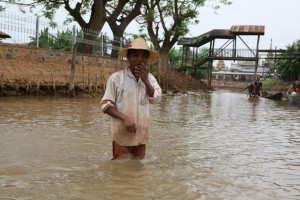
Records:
x=287, y=65
x=92, y=28
x=119, y=15
x=167, y=21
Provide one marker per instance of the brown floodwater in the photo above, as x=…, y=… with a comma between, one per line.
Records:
x=221, y=145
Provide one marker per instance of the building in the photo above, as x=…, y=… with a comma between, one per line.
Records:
x=244, y=70
x=241, y=71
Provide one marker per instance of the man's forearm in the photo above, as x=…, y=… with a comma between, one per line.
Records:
x=149, y=89
x=113, y=112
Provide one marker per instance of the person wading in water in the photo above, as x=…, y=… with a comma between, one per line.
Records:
x=126, y=99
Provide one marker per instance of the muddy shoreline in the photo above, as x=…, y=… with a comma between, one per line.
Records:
x=13, y=89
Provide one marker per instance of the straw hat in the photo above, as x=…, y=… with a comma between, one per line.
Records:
x=140, y=43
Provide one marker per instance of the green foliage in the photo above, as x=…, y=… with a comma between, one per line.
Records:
x=128, y=37
x=287, y=65
x=175, y=57
x=175, y=61
x=61, y=41
x=45, y=39
x=272, y=83
x=172, y=18
x=198, y=74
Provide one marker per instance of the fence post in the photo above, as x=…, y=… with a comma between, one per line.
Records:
x=102, y=49
x=37, y=31
x=72, y=73
x=121, y=46
x=74, y=38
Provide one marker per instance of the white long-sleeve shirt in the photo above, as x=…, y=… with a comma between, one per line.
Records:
x=129, y=97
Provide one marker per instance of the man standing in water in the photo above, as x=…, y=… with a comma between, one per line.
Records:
x=126, y=99
x=258, y=86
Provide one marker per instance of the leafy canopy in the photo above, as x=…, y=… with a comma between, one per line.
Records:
x=287, y=65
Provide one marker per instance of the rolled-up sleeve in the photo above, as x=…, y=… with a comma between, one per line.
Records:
x=105, y=104
x=109, y=96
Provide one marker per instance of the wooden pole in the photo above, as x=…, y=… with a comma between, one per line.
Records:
x=72, y=74
x=210, y=64
x=256, y=58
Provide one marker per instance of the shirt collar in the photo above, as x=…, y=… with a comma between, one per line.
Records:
x=129, y=73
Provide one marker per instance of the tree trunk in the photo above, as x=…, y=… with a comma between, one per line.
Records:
x=163, y=64
x=119, y=19
x=91, y=29
x=116, y=43
x=85, y=48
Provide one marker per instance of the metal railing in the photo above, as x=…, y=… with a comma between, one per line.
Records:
x=200, y=60
x=246, y=53
x=27, y=30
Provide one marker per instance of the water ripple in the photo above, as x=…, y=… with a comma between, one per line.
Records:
x=221, y=145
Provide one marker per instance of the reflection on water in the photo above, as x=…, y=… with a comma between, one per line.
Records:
x=215, y=146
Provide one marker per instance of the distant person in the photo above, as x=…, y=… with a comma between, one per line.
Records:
x=295, y=87
x=126, y=99
x=258, y=86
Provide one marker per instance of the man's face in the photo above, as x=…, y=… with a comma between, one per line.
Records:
x=137, y=57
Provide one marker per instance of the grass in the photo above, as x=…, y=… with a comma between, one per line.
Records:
x=268, y=84
x=275, y=84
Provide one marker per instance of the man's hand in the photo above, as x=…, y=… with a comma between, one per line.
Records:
x=141, y=71
x=113, y=112
x=130, y=126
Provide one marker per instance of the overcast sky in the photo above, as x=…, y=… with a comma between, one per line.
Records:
x=281, y=19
